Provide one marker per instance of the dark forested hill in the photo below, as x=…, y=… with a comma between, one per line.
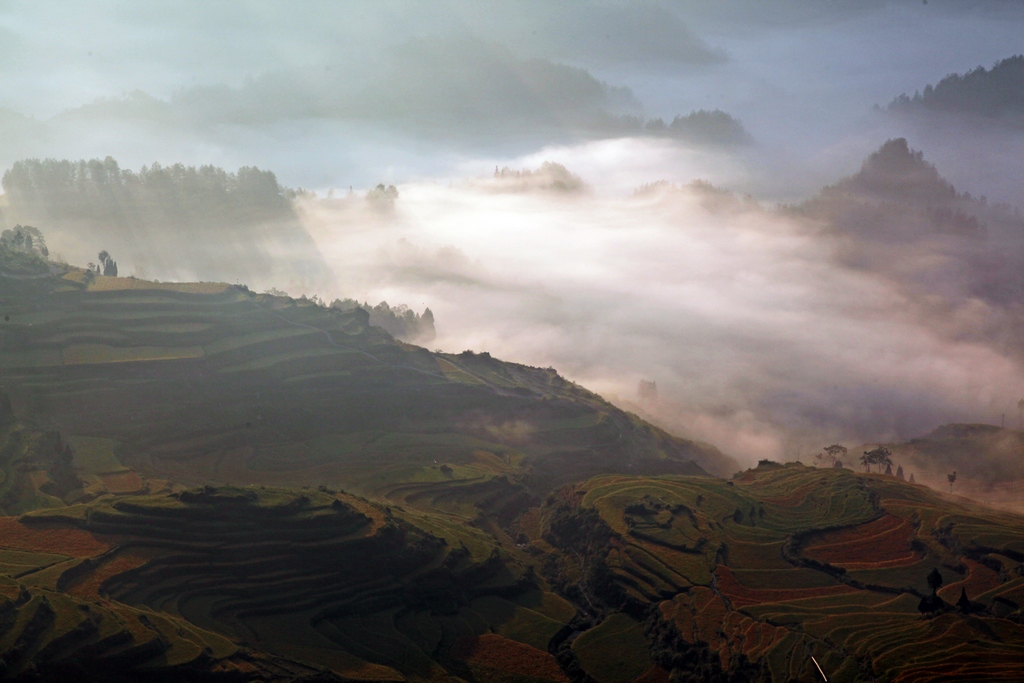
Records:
x=996, y=93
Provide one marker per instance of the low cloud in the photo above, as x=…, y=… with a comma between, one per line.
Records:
x=760, y=339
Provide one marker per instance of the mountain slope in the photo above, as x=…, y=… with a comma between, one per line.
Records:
x=211, y=383
x=899, y=217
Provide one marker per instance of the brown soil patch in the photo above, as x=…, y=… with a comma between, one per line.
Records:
x=980, y=579
x=50, y=539
x=701, y=616
x=491, y=650
x=741, y=596
x=653, y=675
x=89, y=586
x=10, y=590
x=123, y=482
x=882, y=543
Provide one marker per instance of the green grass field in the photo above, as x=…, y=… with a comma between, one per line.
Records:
x=615, y=651
x=95, y=456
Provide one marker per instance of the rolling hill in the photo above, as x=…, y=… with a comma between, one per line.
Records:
x=988, y=461
x=210, y=383
x=616, y=579
x=253, y=583
x=751, y=578
x=203, y=483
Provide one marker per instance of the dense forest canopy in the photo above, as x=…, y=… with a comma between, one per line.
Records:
x=399, y=321
x=102, y=190
x=168, y=222
x=713, y=127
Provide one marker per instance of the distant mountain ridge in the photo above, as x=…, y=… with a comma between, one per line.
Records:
x=461, y=88
x=996, y=93
x=898, y=203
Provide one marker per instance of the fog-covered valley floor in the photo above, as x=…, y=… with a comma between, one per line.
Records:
x=759, y=338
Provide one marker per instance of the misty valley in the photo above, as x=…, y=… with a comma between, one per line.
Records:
x=501, y=342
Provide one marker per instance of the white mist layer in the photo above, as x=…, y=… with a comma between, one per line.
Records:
x=757, y=340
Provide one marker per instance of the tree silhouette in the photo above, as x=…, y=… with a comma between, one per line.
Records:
x=934, y=579
x=899, y=471
x=932, y=603
x=882, y=457
x=25, y=238
x=879, y=456
x=952, y=480
x=383, y=197
x=832, y=454
x=107, y=264
x=964, y=603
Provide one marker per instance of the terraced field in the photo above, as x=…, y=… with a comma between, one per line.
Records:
x=758, y=574
x=746, y=582
x=209, y=383
x=174, y=461
x=314, y=580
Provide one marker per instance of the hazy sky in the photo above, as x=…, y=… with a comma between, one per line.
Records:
x=801, y=76
x=758, y=341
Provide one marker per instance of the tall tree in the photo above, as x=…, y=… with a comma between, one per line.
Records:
x=833, y=454
x=880, y=456
x=107, y=265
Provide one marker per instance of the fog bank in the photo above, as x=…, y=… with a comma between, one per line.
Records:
x=759, y=340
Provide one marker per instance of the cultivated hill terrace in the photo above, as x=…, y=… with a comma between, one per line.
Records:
x=210, y=383
x=203, y=483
